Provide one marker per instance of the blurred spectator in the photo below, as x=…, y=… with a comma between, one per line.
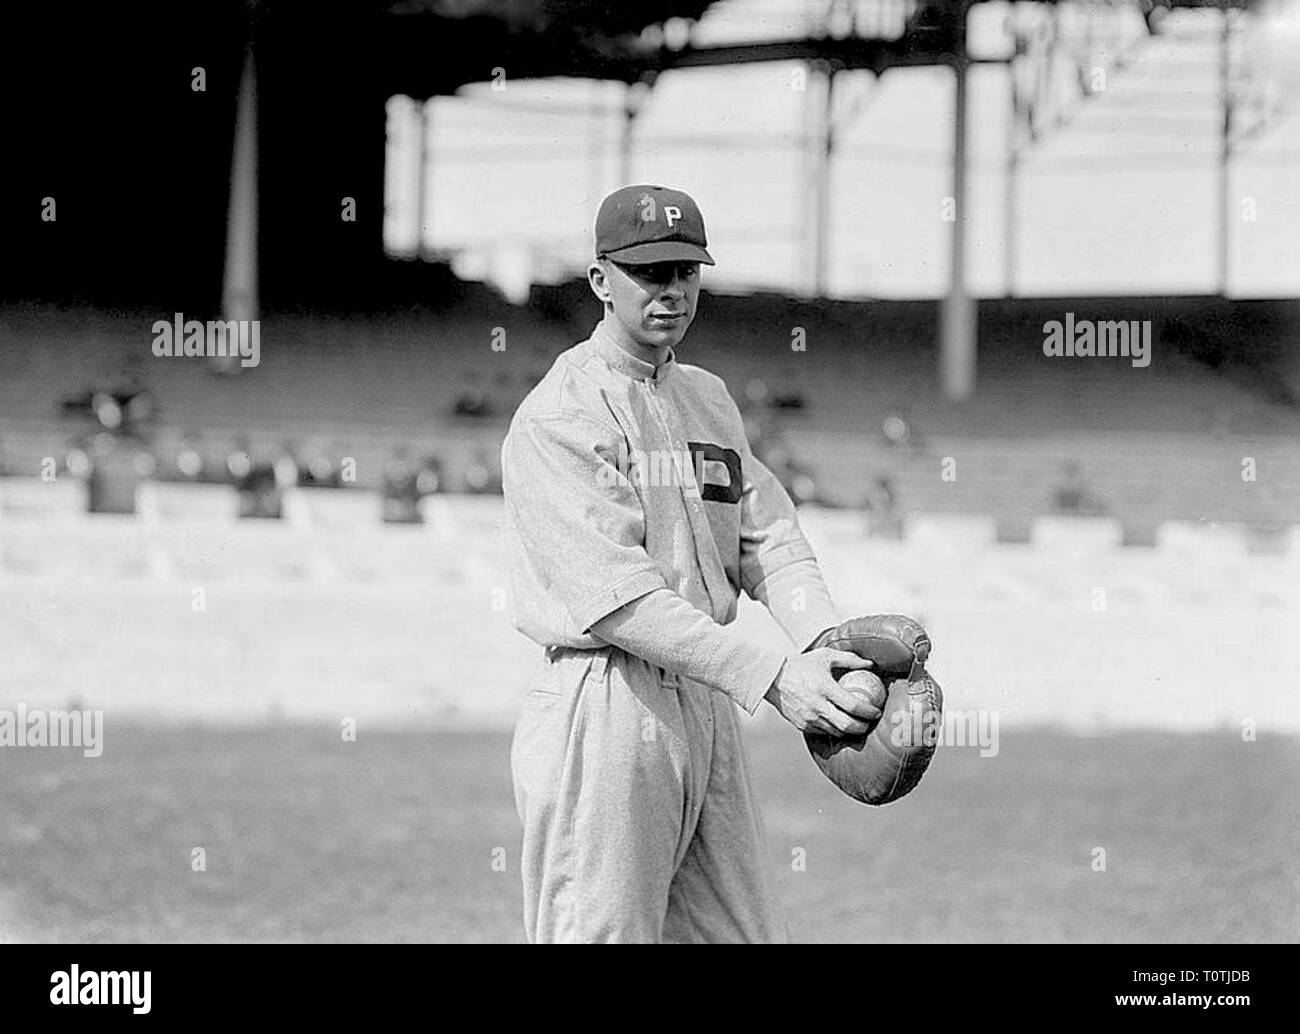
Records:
x=794, y=477
x=407, y=482
x=113, y=454
x=880, y=507
x=473, y=401
x=256, y=483
x=787, y=400
x=897, y=431
x=802, y=486
x=482, y=476
x=401, y=490
x=124, y=409
x=115, y=465
x=259, y=494
x=77, y=462
x=287, y=468
x=189, y=460
x=1072, y=494
x=429, y=479
x=318, y=471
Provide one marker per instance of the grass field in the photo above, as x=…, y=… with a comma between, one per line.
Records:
x=393, y=838
x=1122, y=679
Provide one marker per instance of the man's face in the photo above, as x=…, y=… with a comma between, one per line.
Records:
x=654, y=303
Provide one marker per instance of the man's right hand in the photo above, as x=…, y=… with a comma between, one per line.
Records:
x=808, y=697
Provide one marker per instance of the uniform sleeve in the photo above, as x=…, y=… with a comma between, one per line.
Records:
x=665, y=630
x=575, y=516
x=777, y=565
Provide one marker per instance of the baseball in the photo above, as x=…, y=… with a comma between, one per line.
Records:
x=865, y=683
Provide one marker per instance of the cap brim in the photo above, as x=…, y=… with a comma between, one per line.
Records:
x=660, y=251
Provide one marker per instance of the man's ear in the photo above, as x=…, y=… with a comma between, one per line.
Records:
x=598, y=280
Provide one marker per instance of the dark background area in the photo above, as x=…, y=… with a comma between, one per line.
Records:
x=99, y=114
x=102, y=117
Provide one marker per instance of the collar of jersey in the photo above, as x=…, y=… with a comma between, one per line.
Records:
x=626, y=363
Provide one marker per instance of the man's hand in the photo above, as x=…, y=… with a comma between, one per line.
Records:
x=808, y=697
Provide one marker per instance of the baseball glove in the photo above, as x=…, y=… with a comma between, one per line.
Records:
x=887, y=761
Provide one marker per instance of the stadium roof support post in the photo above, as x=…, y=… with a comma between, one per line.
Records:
x=422, y=163
x=821, y=141
x=957, y=319
x=239, y=290
x=1225, y=150
x=633, y=97
x=1011, y=183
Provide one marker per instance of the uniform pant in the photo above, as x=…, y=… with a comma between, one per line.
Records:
x=639, y=818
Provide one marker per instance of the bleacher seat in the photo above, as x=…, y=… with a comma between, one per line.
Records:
x=1162, y=442
x=34, y=501
x=186, y=504
x=332, y=510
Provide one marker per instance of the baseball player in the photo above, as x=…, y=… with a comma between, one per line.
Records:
x=635, y=515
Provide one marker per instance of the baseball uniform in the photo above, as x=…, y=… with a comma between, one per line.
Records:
x=635, y=515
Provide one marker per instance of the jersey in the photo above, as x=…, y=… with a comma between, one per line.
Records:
x=622, y=478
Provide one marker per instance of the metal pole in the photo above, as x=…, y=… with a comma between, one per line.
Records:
x=239, y=289
x=422, y=108
x=823, y=145
x=631, y=103
x=957, y=319
x=1225, y=152
x=804, y=253
x=1013, y=173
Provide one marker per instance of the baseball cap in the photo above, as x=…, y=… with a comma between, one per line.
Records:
x=641, y=224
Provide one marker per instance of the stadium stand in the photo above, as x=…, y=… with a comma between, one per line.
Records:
x=1041, y=436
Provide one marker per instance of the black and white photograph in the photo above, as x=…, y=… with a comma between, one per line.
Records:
x=511, y=472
